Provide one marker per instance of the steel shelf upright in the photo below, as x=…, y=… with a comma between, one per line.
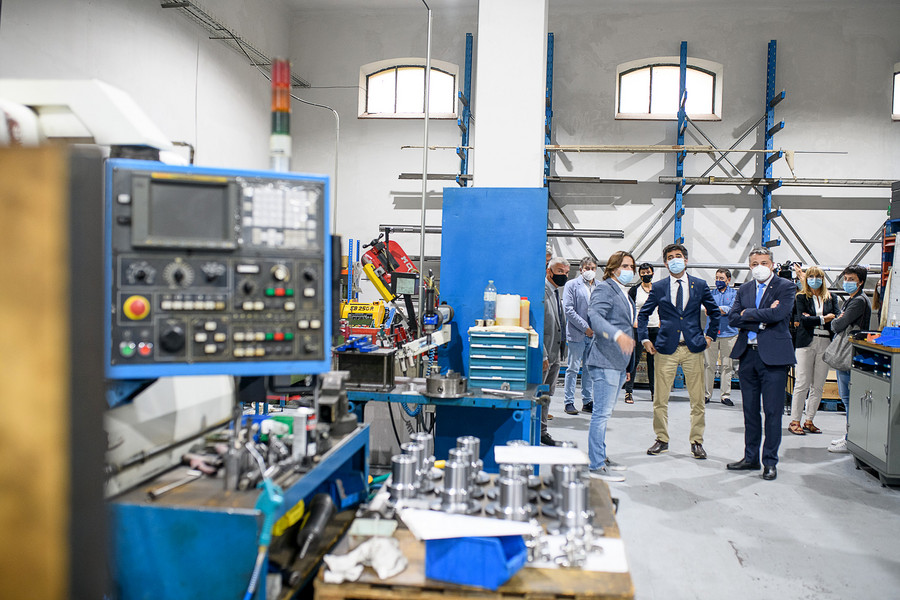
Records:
x=465, y=97
x=548, y=111
x=680, y=155
x=770, y=156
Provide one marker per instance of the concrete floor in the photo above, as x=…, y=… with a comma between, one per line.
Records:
x=823, y=529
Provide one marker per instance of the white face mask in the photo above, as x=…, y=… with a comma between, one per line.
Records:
x=588, y=275
x=761, y=273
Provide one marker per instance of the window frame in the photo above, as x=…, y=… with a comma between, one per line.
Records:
x=895, y=116
x=380, y=66
x=698, y=64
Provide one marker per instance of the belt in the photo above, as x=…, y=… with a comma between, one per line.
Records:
x=682, y=343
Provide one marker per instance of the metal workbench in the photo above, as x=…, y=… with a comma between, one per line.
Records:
x=200, y=541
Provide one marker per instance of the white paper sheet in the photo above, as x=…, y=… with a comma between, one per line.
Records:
x=434, y=525
x=540, y=455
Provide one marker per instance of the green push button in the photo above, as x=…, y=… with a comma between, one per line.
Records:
x=270, y=291
x=288, y=292
x=289, y=336
x=126, y=349
x=270, y=337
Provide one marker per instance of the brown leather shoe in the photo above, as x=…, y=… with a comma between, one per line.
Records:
x=808, y=426
x=697, y=450
x=658, y=447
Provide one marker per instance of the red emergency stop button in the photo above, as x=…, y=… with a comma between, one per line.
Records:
x=136, y=307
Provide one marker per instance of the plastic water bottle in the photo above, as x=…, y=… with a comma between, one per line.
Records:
x=490, y=300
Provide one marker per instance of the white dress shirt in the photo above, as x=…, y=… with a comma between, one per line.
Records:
x=685, y=288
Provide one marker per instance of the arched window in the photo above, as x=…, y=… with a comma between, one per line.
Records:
x=395, y=89
x=895, y=112
x=648, y=89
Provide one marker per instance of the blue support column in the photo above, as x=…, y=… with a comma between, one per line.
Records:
x=465, y=97
x=548, y=118
x=771, y=128
x=679, y=156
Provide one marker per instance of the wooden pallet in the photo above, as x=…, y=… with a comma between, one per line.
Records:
x=527, y=584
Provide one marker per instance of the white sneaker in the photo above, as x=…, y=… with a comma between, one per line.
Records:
x=839, y=448
x=614, y=466
x=605, y=474
x=837, y=441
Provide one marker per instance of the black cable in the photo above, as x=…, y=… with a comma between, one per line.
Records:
x=433, y=419
x=393, y=424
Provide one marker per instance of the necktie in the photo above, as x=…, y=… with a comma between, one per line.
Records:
x=679, y=297
x=760, y=289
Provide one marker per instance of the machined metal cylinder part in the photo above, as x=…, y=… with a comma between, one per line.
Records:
x=427, y=441
x=403, y=477
x=573, y=506
x=463, y=455
x=455, y=497
x=417, y=451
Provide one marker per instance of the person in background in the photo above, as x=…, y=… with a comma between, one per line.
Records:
x=855, y=312
x=720, y=350
x=814, y=309
x=681, y=341
x=554, y=348
x=576, y=297
x=638, y=295
x=762, y=312
x=611, y=314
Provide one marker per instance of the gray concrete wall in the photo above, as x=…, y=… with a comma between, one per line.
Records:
x=196, y=90
x=834, y=61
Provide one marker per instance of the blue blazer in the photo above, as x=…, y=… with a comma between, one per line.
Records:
x=672, y=322
x=776, y=348
x=610, y=311
x=576, y=297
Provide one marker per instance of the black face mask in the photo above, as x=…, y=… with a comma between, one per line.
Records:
x=559, y=280
x=647, y=278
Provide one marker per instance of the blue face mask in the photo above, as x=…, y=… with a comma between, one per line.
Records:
x=676, y=265
x=625, y=276
x=814, y=282
x=721, y=285
x=850, y=287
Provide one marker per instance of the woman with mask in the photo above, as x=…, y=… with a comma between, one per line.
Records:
x=638, y=295
x=611, y=314
x=814, y=308
x=855, y=312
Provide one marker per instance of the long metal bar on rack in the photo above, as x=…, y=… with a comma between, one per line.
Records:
x=588, y=233
x=767, y=181
x=680, y=156
x=715, y=164
x=657, y=219
x=551, y=179
x=227, y=36
x=722, y=155
x=465, y=98
x=869, y=246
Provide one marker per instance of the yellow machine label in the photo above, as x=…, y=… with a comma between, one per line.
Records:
x=289, y=518
x=361, y=314
x=185, y=177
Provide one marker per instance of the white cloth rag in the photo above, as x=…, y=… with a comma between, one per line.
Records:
x=380, y=553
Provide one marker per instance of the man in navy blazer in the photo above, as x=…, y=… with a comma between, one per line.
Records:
x=762, y=311
x=680, y=341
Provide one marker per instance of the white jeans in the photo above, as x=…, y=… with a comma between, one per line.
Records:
x=809, y=378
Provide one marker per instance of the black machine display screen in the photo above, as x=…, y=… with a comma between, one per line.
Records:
x=193, y=212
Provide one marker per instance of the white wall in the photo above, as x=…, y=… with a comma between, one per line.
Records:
x=195, y=89
x=834, y=62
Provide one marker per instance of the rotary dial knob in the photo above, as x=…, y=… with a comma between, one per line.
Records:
x=178, y=274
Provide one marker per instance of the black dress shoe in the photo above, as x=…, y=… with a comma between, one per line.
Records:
x=727, y=402
x=743, y=465
x=658, y=447
x=706, y=400
x=697, y=450
x=588, y=408
x=570, y=409
x=546, y=440
x=770, y=473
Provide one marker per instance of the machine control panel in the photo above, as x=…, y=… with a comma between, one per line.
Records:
x=216, y=272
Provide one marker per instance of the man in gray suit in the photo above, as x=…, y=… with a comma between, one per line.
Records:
x=576, y=297
x=554, y=325
x=612, y=316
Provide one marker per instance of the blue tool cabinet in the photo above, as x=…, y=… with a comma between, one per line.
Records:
x=496, y=358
